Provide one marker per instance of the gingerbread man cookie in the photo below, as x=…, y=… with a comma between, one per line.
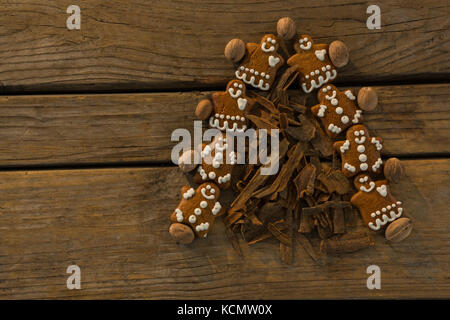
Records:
x=217, y=164
x=198, y=208
x=375, y=202
x=360, y=152
x=313, y=63
x=231, y=108
x=260, y=63
x=337, y=110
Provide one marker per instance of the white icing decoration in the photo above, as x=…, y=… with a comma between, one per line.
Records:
x=382, y=190
x=321, y=112
x=261, y=85
x=360, y=141
x=334, y=128
x=242, y=103
x=188, y=194
x=210, y=197
x=377, y=144
x=308, y=44
x=377, y=165
x=371, y=186
x=202, y=172
x=202, y=227
x=339, y=110
x=265, y=49
x=345, y=146
x=234, y=94
x=203, y=204
x=321, y=81
x=224, y=179
x=361, y=148
x=357, y=116
x=273, y=61
x=364, y=166
x=212, y=175
x=362, y=157
x=198, y=211
x=349, y=167
x=345, y=119
x=333, y=96
x=350, y=95
x=320, y=54
x=192, y=219
x=215, y=210
x=179, y=215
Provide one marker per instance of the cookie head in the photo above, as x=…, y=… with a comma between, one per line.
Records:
x=364, y=183
x=269, y=43
x=304, y=43
x=358, y=133
x=236, y=88
x=328, y=93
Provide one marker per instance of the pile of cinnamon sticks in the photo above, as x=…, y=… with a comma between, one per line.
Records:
x=308, y=198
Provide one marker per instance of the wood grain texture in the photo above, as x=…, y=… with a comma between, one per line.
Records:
x=108, y=129
x=113, y=224
x=142, y=45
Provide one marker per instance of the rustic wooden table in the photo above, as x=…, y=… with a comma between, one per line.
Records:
x=85, y=123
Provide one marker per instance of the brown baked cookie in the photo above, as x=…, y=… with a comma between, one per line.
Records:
x=260, y=63
x=360, y=152
x=198, y=208
x=377, y=205
x=231, y=108
x=217, y=164
x=313, y=62
x=337, y=110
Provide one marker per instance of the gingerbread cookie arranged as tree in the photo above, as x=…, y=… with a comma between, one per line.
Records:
x=360, y=152
x=377, y=205
x=198, y=208
x=301, y=172
x=228, y=109
x=337, y=110
x=257, y=63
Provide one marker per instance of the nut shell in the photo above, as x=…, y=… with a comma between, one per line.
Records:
x=367, y=99
x=399, y=230
x=286, y=28
x=181, y=233
x=187, y=161
x=338, y=53
x=394, y=170
x=235, y=50
x=204, y=109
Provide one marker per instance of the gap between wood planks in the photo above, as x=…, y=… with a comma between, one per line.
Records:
x=439, y=79
x=157, y=164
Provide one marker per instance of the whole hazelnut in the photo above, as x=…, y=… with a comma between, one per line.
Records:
x=394, y=170
x=286, y=28
x=181, y=233
x=204, y=109
x=338, y=53
x=235, y=50
x=187, y=161
x=398, y=230
x=367, y=99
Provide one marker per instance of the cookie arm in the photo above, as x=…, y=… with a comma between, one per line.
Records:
x=321, y=46
x=294, y=60
x=251, y=47
x=337, y=145
x=316, y=110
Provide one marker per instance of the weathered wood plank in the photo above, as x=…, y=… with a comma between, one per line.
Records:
x=113, y=224
x=136, y=44
x=68, y=129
